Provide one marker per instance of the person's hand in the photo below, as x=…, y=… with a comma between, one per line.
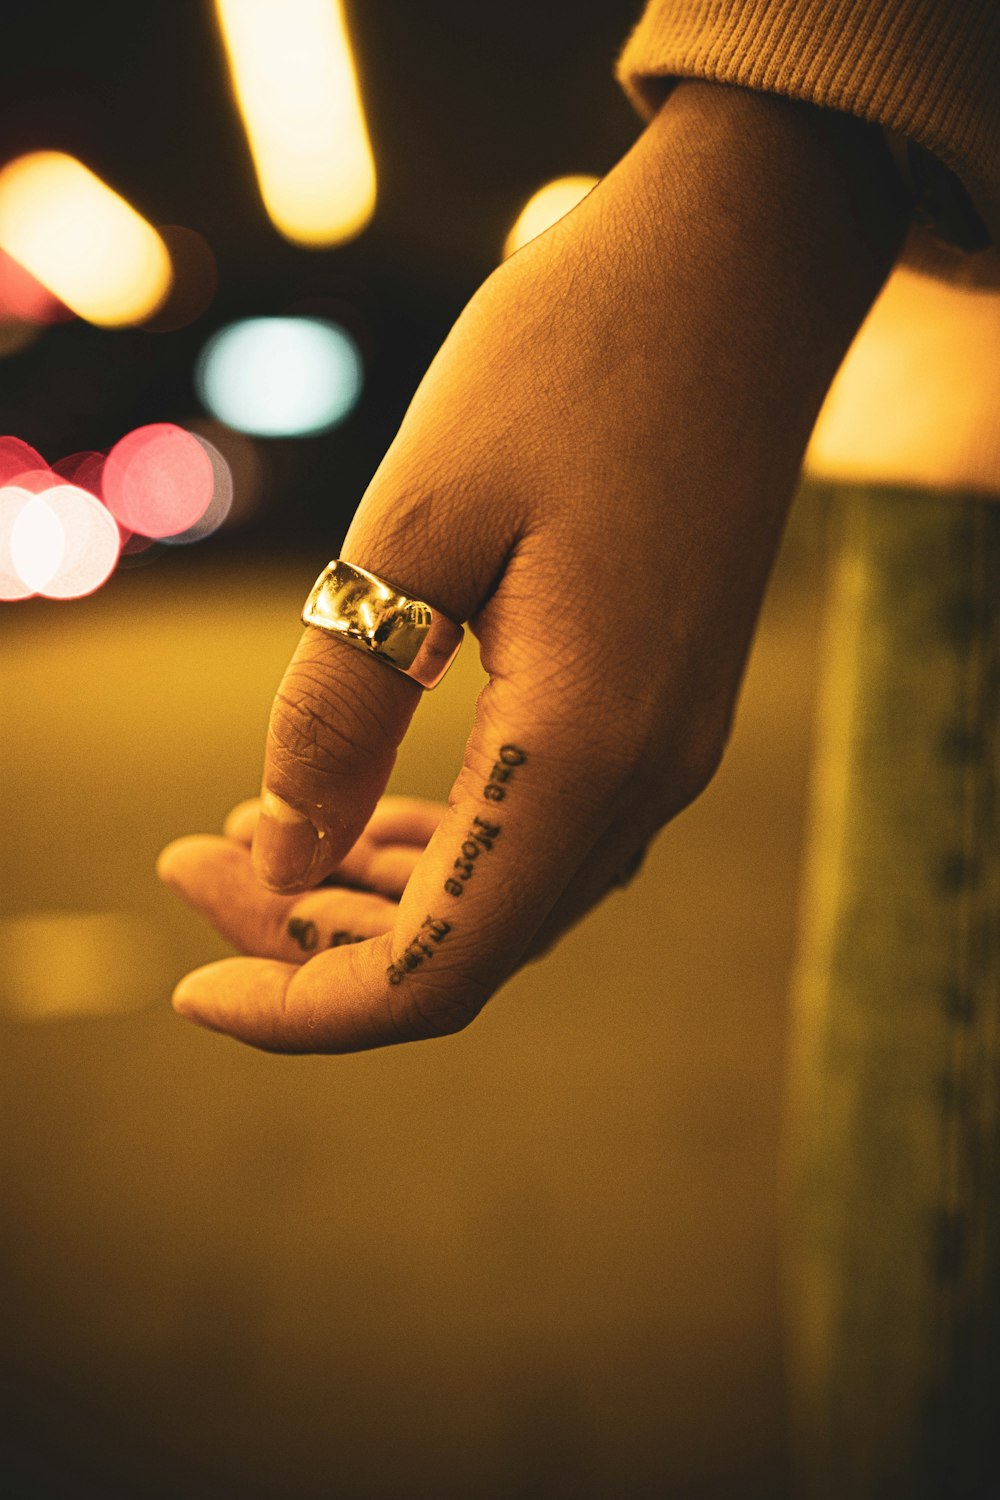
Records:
x=358, y=900
x=594, y=473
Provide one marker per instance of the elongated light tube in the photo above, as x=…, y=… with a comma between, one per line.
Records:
x=81, y=240
x=297, y=91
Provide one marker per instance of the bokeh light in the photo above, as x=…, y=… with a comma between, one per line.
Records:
x=246, y=460
x=91, y=542
x=37, y=542
x=16, y=458
x=280, y=377
x=85, y=470
x=23, y=298
x=55, y=539
x=195, y=279
x=34, y=481
x=65, y=528
x=544, y=208
x=219, y=505
x=158, y=480
x=81, y=240
x=12, y=585
x=25, y=307
x=297, y=91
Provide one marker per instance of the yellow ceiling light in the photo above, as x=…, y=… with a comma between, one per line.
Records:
x=297, y=91
x=81, y=240
x=543, y=208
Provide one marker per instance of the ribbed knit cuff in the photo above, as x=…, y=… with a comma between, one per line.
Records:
x=928, y=70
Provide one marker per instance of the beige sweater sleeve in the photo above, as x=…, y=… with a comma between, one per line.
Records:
x=928, y=70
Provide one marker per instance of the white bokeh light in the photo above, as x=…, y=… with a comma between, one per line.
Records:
x=37, y=543
x=91, y=543
x=280, y=377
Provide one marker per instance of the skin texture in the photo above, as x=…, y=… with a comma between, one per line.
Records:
x=594, y=473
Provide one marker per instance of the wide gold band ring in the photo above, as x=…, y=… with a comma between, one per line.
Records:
x=378, y=617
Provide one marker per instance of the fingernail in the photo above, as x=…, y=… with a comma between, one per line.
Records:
x=284, y=845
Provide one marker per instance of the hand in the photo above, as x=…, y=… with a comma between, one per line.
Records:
x=594, y=473
x=359, y=899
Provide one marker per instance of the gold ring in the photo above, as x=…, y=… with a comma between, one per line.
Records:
x=379, y=617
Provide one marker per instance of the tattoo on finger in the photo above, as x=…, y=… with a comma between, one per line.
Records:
x=416, y=952
x=479, y=840
x=508, y=759
x=482, y=835
x=306, y=934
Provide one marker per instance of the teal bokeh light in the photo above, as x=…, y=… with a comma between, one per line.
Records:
x=280, y=377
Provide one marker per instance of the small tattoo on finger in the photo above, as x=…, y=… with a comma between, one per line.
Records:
x=306, y=934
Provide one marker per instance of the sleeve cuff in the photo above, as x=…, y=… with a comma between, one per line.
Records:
x=925, y=70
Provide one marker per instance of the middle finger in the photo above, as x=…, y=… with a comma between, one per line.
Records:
x=215, y=876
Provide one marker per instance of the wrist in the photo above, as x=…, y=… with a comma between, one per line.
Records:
x=782, y=222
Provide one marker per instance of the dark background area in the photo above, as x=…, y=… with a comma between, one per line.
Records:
x=469, y=108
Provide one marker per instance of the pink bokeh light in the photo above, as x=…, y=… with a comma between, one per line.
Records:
x=17, y=457
x=158, y=480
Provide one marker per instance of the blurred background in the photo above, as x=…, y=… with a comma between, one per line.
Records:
x=536, y=1259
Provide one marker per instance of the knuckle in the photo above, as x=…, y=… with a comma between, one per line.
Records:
x=703, y=756
x=675, y=766
x=695, y=761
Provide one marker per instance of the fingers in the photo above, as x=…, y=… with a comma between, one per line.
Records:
x=382, y=858
x=404, y=820
x=532, y=799
x=371, y=867
x=216, y=877
x=241, y=820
